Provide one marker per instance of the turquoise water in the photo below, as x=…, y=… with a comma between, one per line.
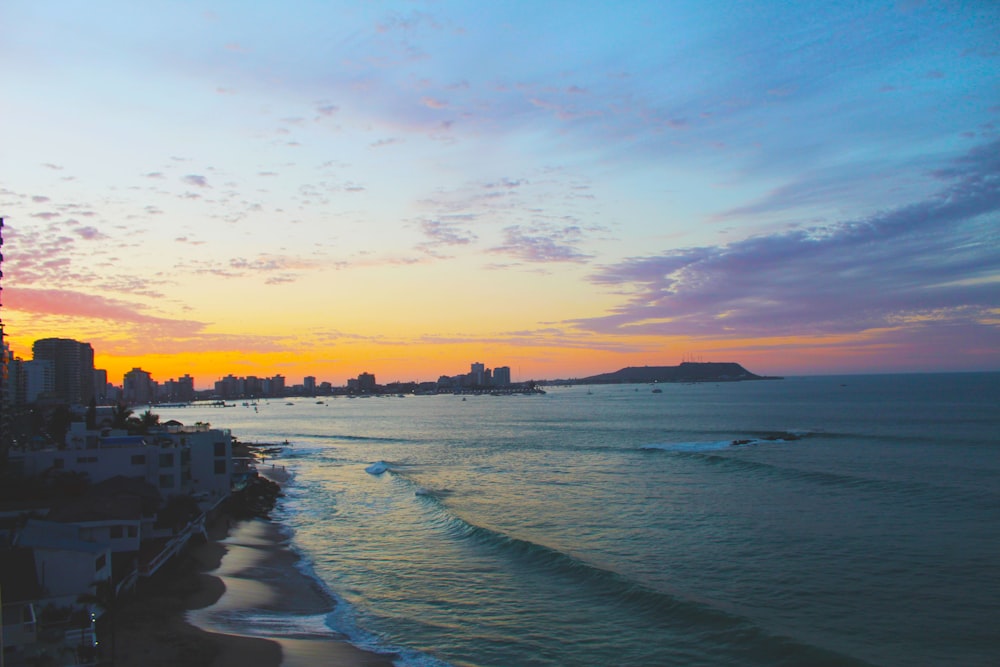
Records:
x=609, y=525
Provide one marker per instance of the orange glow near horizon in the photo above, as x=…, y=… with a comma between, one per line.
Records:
x=419, y=360
x=598, y=212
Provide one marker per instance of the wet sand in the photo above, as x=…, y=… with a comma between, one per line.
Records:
x=151, y=628
x=260, y=577
x=193, y=612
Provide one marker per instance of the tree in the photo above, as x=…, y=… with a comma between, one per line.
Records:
x=120, y=416
x=148, y=421
x=57, y=424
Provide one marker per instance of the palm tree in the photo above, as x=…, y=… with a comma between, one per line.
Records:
x=149, y=421
x=120, y=416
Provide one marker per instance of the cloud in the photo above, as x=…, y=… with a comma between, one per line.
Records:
x=120, y=328
x=926, y=264
x=432, y=103
x=542, y=243
x=506, y=183
x=444, y=233
x=275, y=268
x=85, y=305
x=89, y=233
x=197, y=180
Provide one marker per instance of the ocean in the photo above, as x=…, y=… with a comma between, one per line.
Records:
x=858, y=524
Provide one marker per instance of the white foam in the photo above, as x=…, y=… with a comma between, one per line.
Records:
x=343, y=619
x=691, y=446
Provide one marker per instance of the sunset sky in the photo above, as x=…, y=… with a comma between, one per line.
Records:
x=566, y=188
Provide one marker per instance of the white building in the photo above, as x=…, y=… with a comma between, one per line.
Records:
x=67, y=566
x=211, y=461
x=193, y=461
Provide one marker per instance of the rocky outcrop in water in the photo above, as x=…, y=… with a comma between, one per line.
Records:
x=689, y=371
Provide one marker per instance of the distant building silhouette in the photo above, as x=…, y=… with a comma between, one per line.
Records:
x=501, y=376
x=366, y=382
x=138, y=387
x=40, y=379
x=5, y=358
x=73, y=364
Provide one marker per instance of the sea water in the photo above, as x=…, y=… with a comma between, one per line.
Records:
x=859, y=522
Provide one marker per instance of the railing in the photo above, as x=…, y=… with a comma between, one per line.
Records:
x=174, y=545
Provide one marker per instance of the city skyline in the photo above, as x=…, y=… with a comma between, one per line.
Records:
x=317, y=189
x=73, y=378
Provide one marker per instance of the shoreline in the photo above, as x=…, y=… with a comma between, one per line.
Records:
x=245, y=569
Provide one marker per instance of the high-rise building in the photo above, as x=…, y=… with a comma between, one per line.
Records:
x=40, y=379
x=185, y=388
x=138, y=387
x=366, y=382
x=501, y=376
x=101, y=386
x=478, y=374
x=5, y=403
x=309, y=385
x=17, y=383
x=73, y=363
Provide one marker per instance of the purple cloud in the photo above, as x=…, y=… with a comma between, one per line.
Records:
x=197, y=180
x=89, y=233
x=542, y=243
x=936, y=261
x=444, y=233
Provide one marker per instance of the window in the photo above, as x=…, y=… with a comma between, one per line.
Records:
x=102, y=560
x=116, y=531
x=132, y=532
x=138, y=459
x=86, y=459
x=166, y=481
x=220, y=448
x=220, y=467
x=166, y=460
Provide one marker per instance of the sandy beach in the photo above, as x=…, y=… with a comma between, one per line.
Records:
x=185, y=615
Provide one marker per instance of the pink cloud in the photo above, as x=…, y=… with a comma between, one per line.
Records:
x=68, y=303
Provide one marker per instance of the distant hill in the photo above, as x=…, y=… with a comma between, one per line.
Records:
x=688, y=371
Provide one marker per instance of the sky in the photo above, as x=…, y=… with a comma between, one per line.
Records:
x=565, y=188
